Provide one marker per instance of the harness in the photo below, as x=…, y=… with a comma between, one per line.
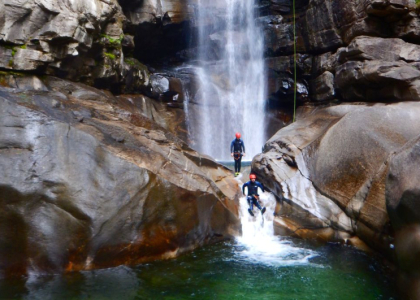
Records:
x=237, y=155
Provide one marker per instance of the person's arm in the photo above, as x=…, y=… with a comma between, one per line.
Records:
x=243, y=147
x=243, y=188
x=231, y=148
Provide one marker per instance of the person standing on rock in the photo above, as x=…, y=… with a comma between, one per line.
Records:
x=237, y=150
x=253, y=196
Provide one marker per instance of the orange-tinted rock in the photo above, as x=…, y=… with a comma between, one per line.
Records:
x=89, y=182
x=332, y=164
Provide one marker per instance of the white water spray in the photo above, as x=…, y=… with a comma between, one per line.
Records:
x=231, y=94
x=260, y=243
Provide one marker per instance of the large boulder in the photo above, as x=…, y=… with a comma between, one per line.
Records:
x=332, y=165
x=89, y=182
x=403, y=206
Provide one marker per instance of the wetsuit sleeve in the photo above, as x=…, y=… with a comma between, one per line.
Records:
x=243, y=146
x=243, y=187
x=231, y=147
x=261, y=186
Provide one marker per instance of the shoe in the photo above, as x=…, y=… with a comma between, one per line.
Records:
x=263, y=210
x=250, y=212
x=236, y=174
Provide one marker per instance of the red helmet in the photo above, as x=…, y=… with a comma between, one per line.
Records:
x=238, y=135
x=252, y=176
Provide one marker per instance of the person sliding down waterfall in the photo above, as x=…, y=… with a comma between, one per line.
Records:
x=236, y=148
x=253, y=196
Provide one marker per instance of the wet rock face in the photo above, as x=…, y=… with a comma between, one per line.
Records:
x=89, y=182
x=333, y=164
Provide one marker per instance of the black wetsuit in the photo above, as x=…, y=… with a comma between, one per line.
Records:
x=237, y=147
x=252, y=192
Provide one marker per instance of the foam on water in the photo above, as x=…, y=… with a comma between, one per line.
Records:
x=258, y=242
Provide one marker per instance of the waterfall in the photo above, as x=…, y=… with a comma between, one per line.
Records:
x=232, y=84
x=260, y=243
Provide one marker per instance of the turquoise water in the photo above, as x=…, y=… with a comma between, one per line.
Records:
x=222, y=271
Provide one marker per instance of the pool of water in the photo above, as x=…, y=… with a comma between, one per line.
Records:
x=222, y=271
x=257, y=265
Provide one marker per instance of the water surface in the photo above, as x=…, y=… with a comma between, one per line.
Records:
x=222, y=271
x=258, y=265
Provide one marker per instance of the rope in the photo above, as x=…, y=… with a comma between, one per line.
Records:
x=294, y=62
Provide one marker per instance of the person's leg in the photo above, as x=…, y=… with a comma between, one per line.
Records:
x=239, y=162
x=249, y=199
x=256, y=203
x=235, y=156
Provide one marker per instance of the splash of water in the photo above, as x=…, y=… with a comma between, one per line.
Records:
x=260, y=244
x=231, y=96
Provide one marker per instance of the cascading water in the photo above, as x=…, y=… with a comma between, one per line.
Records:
x=261, y=245
x=232, y=82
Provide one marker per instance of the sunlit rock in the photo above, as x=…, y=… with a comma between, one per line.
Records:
x=89, y=182
x=332, y=163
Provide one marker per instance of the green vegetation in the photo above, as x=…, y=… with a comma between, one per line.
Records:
x=115, y=42
x=11, y=63
x=14, y=73
x=135, y=63
x=417, y=5
x=130, y=61
x=110, y=55
x=23, y=47
x=11, y=48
